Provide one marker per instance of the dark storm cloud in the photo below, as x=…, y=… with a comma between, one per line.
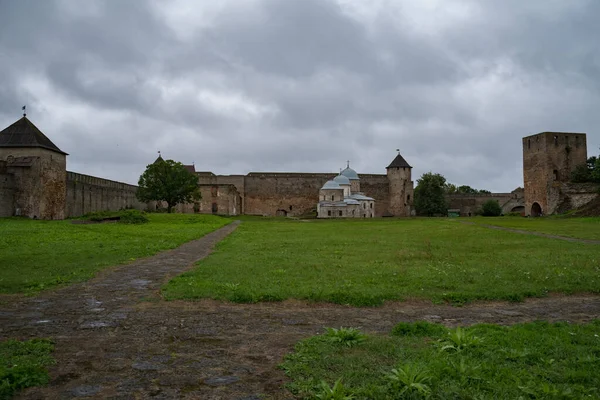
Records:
x=302, y=85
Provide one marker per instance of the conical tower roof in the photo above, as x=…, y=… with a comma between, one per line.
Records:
x=24, y=133
x=399, y=162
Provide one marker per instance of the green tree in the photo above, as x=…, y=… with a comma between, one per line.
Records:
x=167, y=181
x=466, y=189
x=429, y=195
x=588, y=172
x=491, y=208
x=450, y=188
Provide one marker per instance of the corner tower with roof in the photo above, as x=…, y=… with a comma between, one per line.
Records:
x=400, y=187
x=36, y=168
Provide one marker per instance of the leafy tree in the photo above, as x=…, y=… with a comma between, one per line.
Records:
x=168, y=181
x=429, y=195
x=450, y=188
x=491, y=208
x=467, y=189
x=588, y=172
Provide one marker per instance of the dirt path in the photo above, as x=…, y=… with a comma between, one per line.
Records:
x=534, y=233
x=112, y=344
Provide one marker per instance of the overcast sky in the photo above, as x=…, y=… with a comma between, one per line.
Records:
x=302, y=85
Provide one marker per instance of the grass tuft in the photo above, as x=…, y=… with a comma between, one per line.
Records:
x=537, y=360
x=23, y=364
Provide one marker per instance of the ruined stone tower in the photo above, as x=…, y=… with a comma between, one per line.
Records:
x=400, y=186
x=549, y=158
x=36, y=169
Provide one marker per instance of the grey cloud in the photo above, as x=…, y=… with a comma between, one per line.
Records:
x=302, y=85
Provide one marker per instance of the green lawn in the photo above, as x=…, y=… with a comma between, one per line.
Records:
x=526, y=361
x=23, y=364
x=35, y=255
x=366, y=262
x=583, y=228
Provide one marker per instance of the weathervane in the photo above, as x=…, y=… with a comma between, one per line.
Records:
x=24, y=108
x=398, y=150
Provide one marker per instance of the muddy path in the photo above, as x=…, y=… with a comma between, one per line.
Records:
x=115, y=338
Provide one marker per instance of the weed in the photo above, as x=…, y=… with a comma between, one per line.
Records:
x=410, y=379
x=535, y=360
x=337, y=392
x=347, y=336
x=458, y=340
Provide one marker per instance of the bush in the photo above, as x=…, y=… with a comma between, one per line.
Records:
x=133, y=217
x=128, y=216
x=491, y=208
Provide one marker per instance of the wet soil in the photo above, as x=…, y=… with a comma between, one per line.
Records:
x=116, y=338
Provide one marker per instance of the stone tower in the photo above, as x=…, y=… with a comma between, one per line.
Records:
x=401, y=187
x=36, y=168
x=549, y=158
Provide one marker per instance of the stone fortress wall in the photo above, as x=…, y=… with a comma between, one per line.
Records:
x=288, y=193
x=469, y=204
x=86, y=194
x=34, y=183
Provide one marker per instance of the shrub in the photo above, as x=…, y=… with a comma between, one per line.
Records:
x=127, y=216
x=133, y=217
x=491, y=208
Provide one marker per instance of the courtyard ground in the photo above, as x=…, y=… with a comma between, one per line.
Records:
x=116, y=338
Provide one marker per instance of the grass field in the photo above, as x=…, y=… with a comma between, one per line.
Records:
x=23, y=364
x=526, y=361
x=582, y=228
x=366, y=262
x=35, y=255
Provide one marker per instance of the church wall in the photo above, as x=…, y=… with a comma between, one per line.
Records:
x=87, y=194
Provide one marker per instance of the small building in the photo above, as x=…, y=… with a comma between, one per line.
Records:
x=341, y=198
